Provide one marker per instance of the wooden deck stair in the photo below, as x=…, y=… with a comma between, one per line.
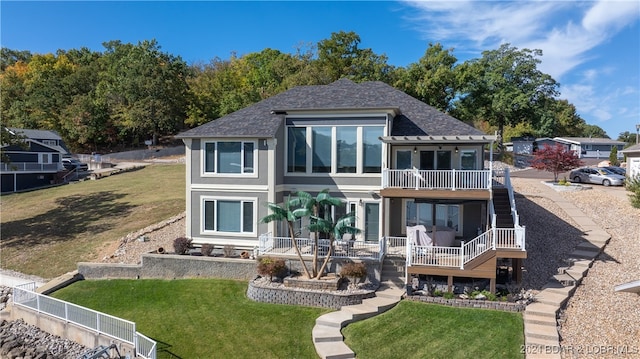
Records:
x=502, y=207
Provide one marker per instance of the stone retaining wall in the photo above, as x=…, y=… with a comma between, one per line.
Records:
x=171, y=266
x=282, y=295
x=470, y=303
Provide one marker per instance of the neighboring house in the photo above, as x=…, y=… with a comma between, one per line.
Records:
x=395, y=161
x=587, y=147
x=633, y=161
x=528, y=145
x=36, y=163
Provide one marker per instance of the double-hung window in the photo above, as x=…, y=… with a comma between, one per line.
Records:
x=228, y=215
x=229, y=157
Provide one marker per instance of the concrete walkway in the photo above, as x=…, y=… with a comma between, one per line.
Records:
x=327, y=333
x=540, y=318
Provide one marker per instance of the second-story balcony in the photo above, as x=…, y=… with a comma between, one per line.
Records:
x=30, y=167
x=452, y=183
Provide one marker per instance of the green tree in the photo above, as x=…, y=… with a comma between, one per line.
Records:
x=144, y=89
x=613, y=156
x=628, y=137
x=558, y=118
x=432, y=79
x=504, y=87
x=340, y=56
x=593, y=131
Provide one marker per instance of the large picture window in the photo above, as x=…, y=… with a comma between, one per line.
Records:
x=372, y=149
x=229, y=216
x=334, y=149
x=229, y=157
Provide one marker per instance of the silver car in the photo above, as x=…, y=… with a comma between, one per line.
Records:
x=596, y=175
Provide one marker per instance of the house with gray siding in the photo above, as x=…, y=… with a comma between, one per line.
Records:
x=587, y=147
x=395, y=161
x=34, y=163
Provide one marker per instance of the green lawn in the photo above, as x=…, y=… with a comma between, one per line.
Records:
x=46, y=232
x=202, y=318
x=212, y=318
x=420, y=330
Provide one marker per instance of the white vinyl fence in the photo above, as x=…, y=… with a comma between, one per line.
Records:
x=24, y=295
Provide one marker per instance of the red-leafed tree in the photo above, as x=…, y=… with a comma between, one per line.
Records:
x=556, y=159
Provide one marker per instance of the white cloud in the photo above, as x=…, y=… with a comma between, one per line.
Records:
x=565, y=31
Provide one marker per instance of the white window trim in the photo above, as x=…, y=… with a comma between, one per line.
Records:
x=204, y=199
x=203, y=159
x=334, y=165
x=46, y=155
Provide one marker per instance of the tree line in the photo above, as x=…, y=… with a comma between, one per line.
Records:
x=129, y=93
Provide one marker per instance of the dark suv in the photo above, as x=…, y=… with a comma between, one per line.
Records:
x=73, y=164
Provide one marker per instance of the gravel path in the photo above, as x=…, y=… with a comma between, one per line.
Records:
x=598, y=321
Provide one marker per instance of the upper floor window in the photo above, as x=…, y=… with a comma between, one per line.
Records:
x=50, y=142
x=229, y=157
x=334, y=149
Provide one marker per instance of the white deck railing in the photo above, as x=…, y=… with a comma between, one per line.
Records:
x=497, y=238
x=437, y=179
x=270, y=245
x=120, y=329
x=30, y=167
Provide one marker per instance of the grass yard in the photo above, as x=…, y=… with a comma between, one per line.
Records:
x=46, y=232
x=420, y=330
x=202, y=318
x=212, y=318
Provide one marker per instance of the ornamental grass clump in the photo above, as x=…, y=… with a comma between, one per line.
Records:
x=181, y=245
x=206, y=249
x=271, y=267
x=353, y=271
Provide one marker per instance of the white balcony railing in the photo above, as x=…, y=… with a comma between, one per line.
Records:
x=457, y=257
x=437, y=179
x=30, y=167
x=270, y=245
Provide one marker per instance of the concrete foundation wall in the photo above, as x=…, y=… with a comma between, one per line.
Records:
x=171, y=266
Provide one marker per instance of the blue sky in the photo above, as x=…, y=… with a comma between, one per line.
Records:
x=592, y=48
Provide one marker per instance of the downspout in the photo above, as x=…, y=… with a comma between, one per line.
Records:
x=188, y=214
x=271, y=176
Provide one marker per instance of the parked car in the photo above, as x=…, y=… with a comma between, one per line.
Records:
x=71, y=164
x=617, y=170
x=597, y=175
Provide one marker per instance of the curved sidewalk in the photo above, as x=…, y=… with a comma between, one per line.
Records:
x=542, y=339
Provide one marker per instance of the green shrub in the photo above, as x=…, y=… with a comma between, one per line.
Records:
x=181, y=245
x=633, y=186
x=271, y=267
x=353, y=270
x=437, y=293
x=206, y=249
x=449, y=295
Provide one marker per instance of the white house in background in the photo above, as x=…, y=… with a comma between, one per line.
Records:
x=587, y=147
x=633, y=161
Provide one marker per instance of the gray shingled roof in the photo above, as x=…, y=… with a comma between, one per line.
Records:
x=416, y=118
x=36, y=134
x=592, y=140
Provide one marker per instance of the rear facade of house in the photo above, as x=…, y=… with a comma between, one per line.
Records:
x=394, y=161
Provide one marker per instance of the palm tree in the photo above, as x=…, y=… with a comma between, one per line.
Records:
x=305, y=205
x=289, y=213
x=335, y=230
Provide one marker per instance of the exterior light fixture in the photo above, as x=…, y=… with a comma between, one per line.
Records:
x=415, y=149
x=457, y=149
